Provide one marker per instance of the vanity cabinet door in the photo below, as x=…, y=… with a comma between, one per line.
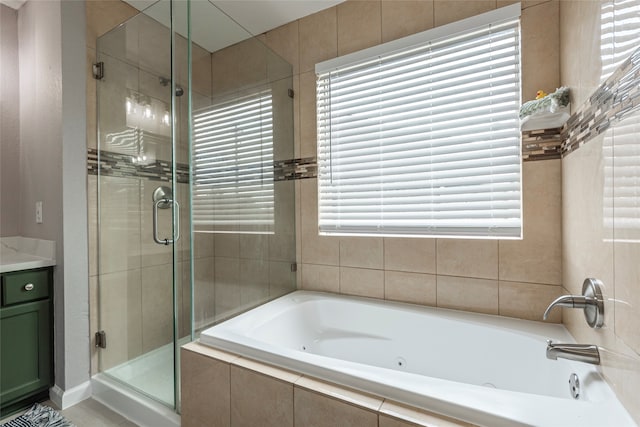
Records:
x=26, y=345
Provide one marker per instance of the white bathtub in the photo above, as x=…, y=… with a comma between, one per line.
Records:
x=487, y=370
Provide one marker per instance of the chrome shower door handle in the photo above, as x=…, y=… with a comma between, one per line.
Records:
x=163, y=199
x=166, y=203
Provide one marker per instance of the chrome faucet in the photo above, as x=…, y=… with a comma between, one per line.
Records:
x=586, y=353
x=591, y=301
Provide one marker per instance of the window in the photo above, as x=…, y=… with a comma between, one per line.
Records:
x=233, y=165
x=421, y=136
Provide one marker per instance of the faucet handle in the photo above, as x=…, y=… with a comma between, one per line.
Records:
x=591, y=301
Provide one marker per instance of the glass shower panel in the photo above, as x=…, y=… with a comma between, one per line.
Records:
x=242, y=150
x=143, y=262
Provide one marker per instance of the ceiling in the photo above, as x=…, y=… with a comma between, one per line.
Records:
x=211, y=25
x=15, y=4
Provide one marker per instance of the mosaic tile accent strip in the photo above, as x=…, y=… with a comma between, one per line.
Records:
x=286, y=170
x=615, y=98
x=542, y=144
x=126, y=166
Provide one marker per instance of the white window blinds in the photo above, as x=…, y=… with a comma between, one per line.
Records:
x=421, y=136
x=233, y=165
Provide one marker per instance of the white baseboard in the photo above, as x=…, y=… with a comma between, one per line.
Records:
x=66, y=398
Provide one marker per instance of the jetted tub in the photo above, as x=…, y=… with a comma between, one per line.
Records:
x=483, y=369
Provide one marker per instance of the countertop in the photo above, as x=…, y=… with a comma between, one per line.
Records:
x=22, y=253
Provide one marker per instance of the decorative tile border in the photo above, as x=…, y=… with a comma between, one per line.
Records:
x=125, y=166
x=543, y=144
x=285, y=170
x=615, y=98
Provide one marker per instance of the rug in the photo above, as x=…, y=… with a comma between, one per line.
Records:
x=39, y=416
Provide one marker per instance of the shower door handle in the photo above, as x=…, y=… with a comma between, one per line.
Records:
x=164, y=203
x=156, y=237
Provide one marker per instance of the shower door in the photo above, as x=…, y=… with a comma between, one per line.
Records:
x=143, y=239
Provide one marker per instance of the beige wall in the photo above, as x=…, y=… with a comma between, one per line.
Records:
x=512, y=278
x=9, y=123
x=597, y=243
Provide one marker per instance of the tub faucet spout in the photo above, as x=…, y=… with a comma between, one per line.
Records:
x=586, y=353
x=571, y=301
x=591, y=301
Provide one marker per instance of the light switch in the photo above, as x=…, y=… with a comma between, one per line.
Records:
x=38, y=212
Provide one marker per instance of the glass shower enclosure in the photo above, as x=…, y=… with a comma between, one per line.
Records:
x=195, y=208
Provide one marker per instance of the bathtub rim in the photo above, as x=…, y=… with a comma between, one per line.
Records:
x=473, y=410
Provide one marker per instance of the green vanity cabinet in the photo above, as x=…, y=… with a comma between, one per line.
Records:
x=26, y=338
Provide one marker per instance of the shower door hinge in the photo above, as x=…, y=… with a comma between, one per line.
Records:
x=98, y=70
x=101, y=339
x=294, y=267
x=290, y=93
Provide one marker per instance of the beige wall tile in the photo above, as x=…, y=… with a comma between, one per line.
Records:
x=315, y=249
x=157, y=306
x=362, y=282
x=121, y=289
x=410, y=287
x=254, y=246
x=94, y=322
x=284, y=41
x=202, y=245
x=258, y=400
x=627, y=293
x=91, y=100
x=201, y=70
x=538, y=257
x=183, y=273
x=227, y=285
x=338, y=392
x=447, y=11
x=364, y=252
x=540, y=49
x=394, y=414
x=204, y=297
x=105, y=15
x=587, y=248
x=119, y=224
x=387, y=421
x=270, y=371
x=580, y=54
x=318, y=38
x=308, y=123
x=254, y=280
x=358, y=25
x=401, y=18
x=296, y=116
x=205, y=384
x=214, y=353
x=528, y=300
x=313, y=409
x=462, y=293
x=92, y=223
x=467, y=258
x=323, y=278
x=227, y=245
x=415, y=255
x=281, y=279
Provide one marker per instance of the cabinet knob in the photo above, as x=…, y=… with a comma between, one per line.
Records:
x=28, y=286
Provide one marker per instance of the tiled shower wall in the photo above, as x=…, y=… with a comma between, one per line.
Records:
x=601, y=188
x=511, y=278
x=131, y=276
